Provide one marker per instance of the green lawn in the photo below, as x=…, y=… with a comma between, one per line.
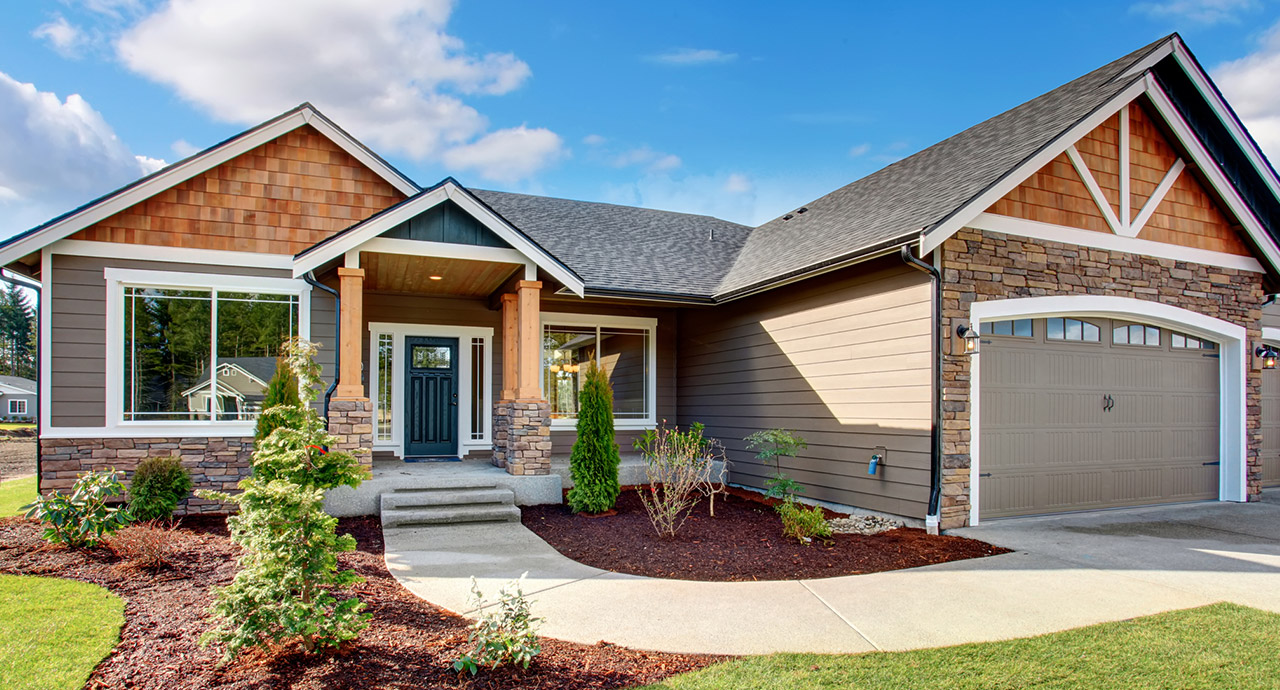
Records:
x=16, y=493
x=1218, y=646
x=54, y=632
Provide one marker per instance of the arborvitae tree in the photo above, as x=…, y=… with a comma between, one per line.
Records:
x=282, y=389
x=594, y=461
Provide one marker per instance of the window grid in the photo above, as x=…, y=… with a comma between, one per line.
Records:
x=1136, y=334
x=17, y=407
x=1072, y=330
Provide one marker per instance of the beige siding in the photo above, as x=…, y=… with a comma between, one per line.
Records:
x=1271, y=316
x=843, y=359
x=78, y=333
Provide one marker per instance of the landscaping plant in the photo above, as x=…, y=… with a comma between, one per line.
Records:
x=288, y=576
x=82, y=518
x=282, y=389
x=678, y=467
x=594, y=460
x=801, y=523
x=158, y=485
x=772, y=445
x=505, y=632
x=145, y=546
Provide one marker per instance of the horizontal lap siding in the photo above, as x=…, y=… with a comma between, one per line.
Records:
x=843, y=359
x=78, y=331
x=1271, y=316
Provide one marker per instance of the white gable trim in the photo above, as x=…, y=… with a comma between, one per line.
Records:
x=367, y=234
x=182, y=171
x=1204, y=162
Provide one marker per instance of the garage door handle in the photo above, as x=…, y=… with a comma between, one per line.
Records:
x=985, y=474
x=1215, y=462
x=1108, y=403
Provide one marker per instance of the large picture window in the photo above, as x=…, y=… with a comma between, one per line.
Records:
x=624, y=350
x=201, y=354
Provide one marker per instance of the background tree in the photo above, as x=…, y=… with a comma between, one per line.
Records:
x=17, y=331
x=594, y=461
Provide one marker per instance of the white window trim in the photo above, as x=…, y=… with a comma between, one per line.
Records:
x=1232, y=362
x=117, y=280
x=464, y=334
x=22, y=401
x=601, y=320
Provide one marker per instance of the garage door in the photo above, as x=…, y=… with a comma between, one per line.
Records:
x=1271, y=427
x=1080, y=414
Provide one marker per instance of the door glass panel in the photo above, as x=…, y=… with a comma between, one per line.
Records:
x=386, y=360
x=431, y=357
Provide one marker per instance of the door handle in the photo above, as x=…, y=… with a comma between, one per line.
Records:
x=454, y=400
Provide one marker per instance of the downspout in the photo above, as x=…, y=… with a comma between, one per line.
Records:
x=932, y=519
x=310, y=277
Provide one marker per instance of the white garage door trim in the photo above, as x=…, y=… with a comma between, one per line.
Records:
x=1231, y=370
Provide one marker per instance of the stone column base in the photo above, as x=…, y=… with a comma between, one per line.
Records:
x=522, y=436
x=351, y=421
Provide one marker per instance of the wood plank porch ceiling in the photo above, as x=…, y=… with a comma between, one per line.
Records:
x=399, y=273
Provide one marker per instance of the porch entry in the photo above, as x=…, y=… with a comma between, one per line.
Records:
x=431, y=397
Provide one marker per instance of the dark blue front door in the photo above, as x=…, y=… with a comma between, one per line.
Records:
x=431, y=397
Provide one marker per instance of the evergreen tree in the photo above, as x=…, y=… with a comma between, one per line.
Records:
x=17, y=327
x=594, y=460
x=282, y=389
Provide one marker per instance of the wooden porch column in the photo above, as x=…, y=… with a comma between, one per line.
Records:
x=510, y=345
x=352, y=288
x=530, y=348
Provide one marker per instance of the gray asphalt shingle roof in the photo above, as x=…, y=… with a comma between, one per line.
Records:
x=18, y=382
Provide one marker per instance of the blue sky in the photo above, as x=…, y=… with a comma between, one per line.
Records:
x=743, y=110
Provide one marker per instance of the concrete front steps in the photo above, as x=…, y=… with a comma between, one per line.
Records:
x=448, y=500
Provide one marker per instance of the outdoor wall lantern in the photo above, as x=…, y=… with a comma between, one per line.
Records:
x=1268, y=356
x=970, y=338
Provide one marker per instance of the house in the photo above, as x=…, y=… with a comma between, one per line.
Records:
x=17, y=399
x=1060, y=308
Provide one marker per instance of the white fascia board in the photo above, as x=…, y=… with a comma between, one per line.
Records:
x=1209, y=168
x=965, y=215
x=1049, y=232
x=1149, y=61
x=185, y=170
x=443, y=250
x=6, y=389
x=1225, y=114
x=147, y=252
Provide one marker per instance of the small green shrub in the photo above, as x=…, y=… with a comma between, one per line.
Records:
x=594, y=460
x=158, y=485
x=803, y=524
x=505, y=633
x=772, y=445
x=282, y=389
x=82, y=518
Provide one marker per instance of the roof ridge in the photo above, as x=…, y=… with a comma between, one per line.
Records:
x=609, y=203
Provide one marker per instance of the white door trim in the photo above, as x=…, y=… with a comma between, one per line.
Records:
x=1233, y=357
x=464, y=334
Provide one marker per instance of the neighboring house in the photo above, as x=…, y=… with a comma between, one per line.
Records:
x=17, y=399
x=1111, y=241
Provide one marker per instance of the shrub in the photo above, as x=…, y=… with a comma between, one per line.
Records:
x=82, y=518
x=145, y=545
x=505, y=633
x=803, y=524
x=594, y=460
x=773, y=445
x=289, y=573
x=157, y=487
x=678, y=469
x=282, y=389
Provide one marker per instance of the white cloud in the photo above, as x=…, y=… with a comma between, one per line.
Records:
x=508, y=155
x=593, y=140
x=1198, y=11
x=859, y=150
x=386, y=71
x=693, y=56
x=650, y=160
x=1249, y=84
x=56, y=154
x=737, y=183
x=149, y=165
x=184, y=148
x=66, y=39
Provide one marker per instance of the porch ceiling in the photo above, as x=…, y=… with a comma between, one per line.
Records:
x=412, y=275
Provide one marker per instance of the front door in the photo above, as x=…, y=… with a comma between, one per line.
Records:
x=431, y=397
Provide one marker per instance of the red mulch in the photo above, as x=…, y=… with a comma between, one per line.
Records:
x=743, y=542
x=409, y=643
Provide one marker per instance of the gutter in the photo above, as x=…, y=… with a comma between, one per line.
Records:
x=310, y=277
x=932, y=519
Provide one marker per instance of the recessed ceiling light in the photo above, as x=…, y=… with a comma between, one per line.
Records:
x=436, y=277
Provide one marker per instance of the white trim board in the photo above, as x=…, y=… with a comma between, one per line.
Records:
x=148, y=252
x=464, y=334
x=603, y=321
x=184, y=170
x=1271, y=334
x=1101, y=240
x=1233, y=359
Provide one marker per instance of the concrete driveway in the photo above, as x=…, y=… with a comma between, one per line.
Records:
x=1067, y=571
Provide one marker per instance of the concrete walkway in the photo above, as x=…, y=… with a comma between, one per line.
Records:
x=1067, y=572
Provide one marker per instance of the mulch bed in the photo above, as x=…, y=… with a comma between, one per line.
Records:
x=743, y=542
x=409, y=644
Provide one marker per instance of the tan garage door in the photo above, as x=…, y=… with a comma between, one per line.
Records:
x=1271, y=427
x=1079, y=414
